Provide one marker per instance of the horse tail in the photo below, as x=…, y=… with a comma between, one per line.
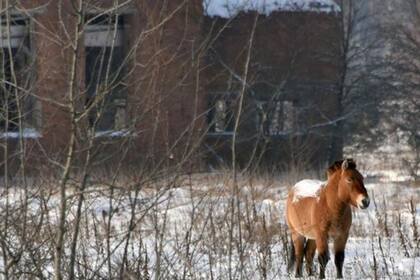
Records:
x=292, y=256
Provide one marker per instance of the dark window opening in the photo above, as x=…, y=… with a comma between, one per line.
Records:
x=14, y=56
x=104, y=54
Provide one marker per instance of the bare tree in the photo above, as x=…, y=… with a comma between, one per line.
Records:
x=402, y=109
x=363, y=79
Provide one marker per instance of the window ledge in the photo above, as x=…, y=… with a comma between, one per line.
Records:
x=27, y=133
x=113, y=133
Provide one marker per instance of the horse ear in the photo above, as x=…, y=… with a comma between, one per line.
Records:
x=352, y=163
x=345, y=165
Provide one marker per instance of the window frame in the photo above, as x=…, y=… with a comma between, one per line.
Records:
x=110, y=44
x=265, y=122
x=20, y=43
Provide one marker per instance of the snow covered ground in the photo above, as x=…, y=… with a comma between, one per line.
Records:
x=189, y=231
x=229, y=8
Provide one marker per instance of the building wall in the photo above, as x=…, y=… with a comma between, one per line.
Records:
x=166, y=95
x=47, y=71
x=174, y=67
x=52, y=76
x=294, y=57
x=164, y=107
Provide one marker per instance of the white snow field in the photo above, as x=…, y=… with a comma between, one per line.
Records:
x=188, y=231
x=229, y=8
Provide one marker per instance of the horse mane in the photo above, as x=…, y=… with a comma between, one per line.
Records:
x=337, y=165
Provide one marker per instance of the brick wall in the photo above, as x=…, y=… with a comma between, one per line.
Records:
x=295, y=55
x=173, y=69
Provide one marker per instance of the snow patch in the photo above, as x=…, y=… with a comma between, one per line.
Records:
x=307, y=188
x=112, y=133
x=229, y=8
x=26, y=133
x=267, y=209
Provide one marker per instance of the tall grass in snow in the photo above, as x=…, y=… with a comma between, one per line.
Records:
x=180, y=227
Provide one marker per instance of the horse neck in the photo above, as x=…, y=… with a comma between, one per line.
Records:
x=334, y=204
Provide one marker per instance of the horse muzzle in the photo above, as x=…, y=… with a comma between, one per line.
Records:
x=364, y=203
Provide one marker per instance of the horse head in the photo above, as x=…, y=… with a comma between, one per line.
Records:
x=351, y=188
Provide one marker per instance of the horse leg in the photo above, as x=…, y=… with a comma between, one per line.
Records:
x=339, y=246
x=298, y=244
x=322, y=248
x=310, y=249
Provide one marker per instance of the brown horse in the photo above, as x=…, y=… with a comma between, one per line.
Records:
x=318, y=210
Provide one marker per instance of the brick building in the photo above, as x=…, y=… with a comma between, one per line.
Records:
x=148, y=80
